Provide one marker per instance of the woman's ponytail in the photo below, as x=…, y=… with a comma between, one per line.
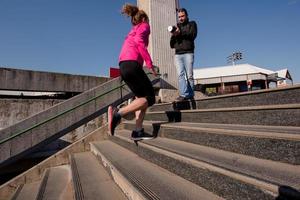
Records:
x=137, y=16
x=130, y=10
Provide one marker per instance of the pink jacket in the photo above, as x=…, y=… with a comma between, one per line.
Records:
x=135, y=45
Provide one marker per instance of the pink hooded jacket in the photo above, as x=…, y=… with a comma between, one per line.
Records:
x=135, y=45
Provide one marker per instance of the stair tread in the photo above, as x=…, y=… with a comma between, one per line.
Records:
x=258, y=141
x=260, y=107
x=55, y=183
x=28, y=191
x=245, y=93
x=95, y=181
x=275, y=115
x=271, y=171
x=258, y=130
x=163, y=183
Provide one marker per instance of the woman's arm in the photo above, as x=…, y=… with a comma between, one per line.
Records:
x=141, y=39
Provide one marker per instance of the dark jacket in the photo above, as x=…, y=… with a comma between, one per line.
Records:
x=184, y=42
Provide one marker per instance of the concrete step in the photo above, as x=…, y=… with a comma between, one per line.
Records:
x=265, y=170
x=55, y=183
x=27, y=191
x=288, y=95
x=274, y=115
x=220, y=181
x=144, y=180
x=91, y=180
x=266, y=142
x=291, y=131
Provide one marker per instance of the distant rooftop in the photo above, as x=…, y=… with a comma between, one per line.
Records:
x=241, y=72
x=231, y=70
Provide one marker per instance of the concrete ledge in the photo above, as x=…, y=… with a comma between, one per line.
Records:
x=28, y=80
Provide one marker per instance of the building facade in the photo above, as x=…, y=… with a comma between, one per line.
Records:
x=235, y=78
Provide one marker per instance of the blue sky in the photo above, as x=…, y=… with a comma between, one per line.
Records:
x=85, y=36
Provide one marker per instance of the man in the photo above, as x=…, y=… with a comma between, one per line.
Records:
x=183, y=41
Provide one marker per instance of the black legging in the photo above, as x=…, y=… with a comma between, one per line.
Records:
x=136, y=79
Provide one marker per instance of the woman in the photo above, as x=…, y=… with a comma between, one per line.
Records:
x=133, y=54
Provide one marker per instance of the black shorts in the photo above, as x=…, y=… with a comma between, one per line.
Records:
x=134, y=76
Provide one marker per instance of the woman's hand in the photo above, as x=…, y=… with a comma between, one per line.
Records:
x=153, y=71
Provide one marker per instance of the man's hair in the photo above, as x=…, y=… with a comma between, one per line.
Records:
x=135, y=13
x=183, y=10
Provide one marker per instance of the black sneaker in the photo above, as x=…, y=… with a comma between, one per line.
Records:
x=141, y=135
x=114, y=119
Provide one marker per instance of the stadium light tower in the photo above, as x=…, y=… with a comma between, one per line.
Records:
x=234, y=57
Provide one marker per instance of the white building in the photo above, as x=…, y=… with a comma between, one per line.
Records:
x=237, y=78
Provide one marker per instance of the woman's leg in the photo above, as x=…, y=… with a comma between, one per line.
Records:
x=138, y=82
x=139, y=118
x=137, y=104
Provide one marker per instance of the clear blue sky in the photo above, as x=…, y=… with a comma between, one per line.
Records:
x=85, y=36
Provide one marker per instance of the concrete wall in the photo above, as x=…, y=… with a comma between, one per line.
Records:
x=27, y=80
x=15, y=110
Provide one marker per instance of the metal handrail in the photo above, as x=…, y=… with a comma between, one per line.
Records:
x=60, y=114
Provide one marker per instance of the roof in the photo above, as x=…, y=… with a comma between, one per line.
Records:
x=232, y=70
x=284, y=73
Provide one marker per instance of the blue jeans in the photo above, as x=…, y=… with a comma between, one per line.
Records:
x=184, y=65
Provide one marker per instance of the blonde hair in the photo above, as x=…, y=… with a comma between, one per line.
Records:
x=137, y=15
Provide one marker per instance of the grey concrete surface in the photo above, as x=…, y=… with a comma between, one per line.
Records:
x=55, y=182
x=15, y=110
x=27, y=191
x=269, y=171
x=149, y=178
x=278, y=144
x=91, y=180
x=286, y=95
x=217, y=183
x=28, y=80
x=273, y=115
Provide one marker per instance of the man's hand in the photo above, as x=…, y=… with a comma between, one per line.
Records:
x=176, y=32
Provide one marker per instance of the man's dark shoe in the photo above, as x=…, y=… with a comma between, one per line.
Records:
x=140, y=135
x=180, y=98
x=114, y=119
